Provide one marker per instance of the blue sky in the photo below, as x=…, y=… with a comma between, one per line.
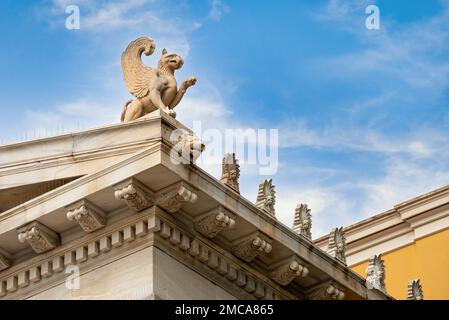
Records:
x=362, y=114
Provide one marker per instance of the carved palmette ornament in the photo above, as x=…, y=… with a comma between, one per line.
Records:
x=415, y=291
x=88, y=216
x=288, y=270
x=327, y=291
x=251, y=246
x=337, y=245
x=136, y=195
x=375, y=273
x=214, y=221
x=4, y=262
x=39, y=237
x=175, y=196
x=303, y=221
x=266, y=197
x=230, y=172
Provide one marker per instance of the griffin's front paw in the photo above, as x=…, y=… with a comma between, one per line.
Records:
x=190, y=82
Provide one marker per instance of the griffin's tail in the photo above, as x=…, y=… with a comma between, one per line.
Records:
x=122, y=117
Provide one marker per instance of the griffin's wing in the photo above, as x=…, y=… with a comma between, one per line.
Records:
x=138, y=77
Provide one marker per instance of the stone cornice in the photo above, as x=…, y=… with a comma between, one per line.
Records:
x=156, y=117
x=80, y=251
x=396, y=228
x=81, y=157
x=432, y=198
x=153, y=167
x=107, y=241
x=285, y=235
x=48, y=156
x=26, y=207
x=202, y=250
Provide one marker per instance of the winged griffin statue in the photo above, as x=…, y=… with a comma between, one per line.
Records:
x=153, y=88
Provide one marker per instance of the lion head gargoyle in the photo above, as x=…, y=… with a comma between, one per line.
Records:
x=153, y=88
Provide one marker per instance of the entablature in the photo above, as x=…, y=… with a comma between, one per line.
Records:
x=207, y=220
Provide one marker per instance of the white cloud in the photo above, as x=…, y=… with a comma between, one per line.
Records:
x=69, y=117
x=114, y=15
x=413, y=162
x=405, y=53
x=405, y=179
x=330, y=208
x=210, y=110
x=132, y=16
x=218, y=9
x=352, y=199
x=342, y=12
x=411, y=53
x=333, y=11
x=420, y=143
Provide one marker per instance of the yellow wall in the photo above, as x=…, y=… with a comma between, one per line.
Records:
x=427, y=259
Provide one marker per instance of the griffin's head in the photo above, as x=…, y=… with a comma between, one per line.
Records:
x=170, y=61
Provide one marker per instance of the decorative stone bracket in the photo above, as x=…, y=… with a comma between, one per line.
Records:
x=4, y=263
x=136, y=195
x=88, y=216
x=250, y=246
x=287, y=270
x=173, y=197
x=327, y=291
x=40, y=237
x=211, y=223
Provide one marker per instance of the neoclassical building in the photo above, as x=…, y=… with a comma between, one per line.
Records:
x=112, y=206
x=413, y=239
x=123, y=212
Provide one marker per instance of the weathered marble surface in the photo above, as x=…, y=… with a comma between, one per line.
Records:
x=232, y=259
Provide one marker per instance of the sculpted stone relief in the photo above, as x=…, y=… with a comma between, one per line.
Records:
x=153, y=88
x=266, y=197
x=39, y=237
x=375, y=275
x=303, y=221
x=211, y=223
x=328, y=291
x=230, y=172
x=88, y=216
x=415, y=291
x=288, y=270
x=136, y=195
x=337, y=244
